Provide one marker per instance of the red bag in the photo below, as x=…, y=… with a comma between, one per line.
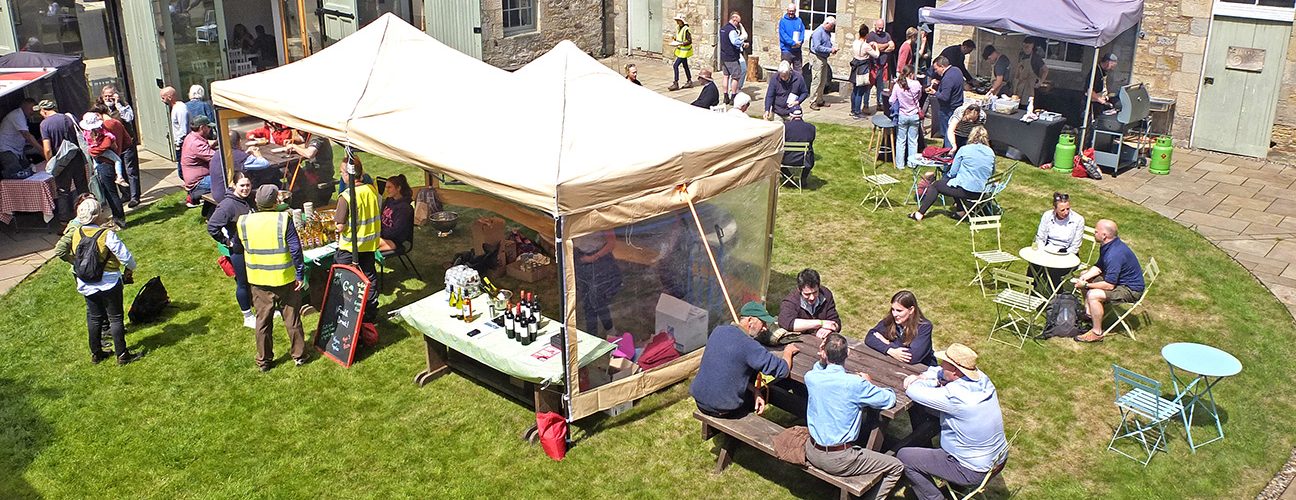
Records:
x=368, y=334
x=659, y=351
x=226, y=265
x=552, y=430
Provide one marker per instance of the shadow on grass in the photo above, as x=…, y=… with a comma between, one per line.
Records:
x=159, y=211
x=173, y=333
x=601, y=421
x=26, y=433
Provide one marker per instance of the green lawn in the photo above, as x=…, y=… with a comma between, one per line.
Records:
x=195, y=418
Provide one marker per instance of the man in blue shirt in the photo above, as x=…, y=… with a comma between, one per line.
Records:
x=948, y=92
x=1121, y=278
x=791, y=32
x=821, y=45
x=835, y=410
x=785, y=92
x=733, y=357
x=972, y=442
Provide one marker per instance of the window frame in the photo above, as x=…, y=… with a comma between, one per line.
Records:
x=528, y=8
x=1254, y=11
x=1063, y=64
x=811, y=12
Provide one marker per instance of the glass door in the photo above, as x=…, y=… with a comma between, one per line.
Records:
x=148, y=75
x=7, y=41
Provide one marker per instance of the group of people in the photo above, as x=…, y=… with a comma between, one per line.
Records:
x=952, y=389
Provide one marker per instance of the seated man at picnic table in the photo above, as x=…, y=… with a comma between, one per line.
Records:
x=972, y=442
x=273, y=133
x=733, y=357
x=1119, y=278
x=834, y=415
x=196, y=154
x=810, y=308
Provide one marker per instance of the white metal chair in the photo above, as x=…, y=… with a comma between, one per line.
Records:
x=988, y=201
x=791, y=174
x=1144, y=413
x=1090, y=238
x=1150, y=273
x=1017, y=303
x=989, y=258
x=879, y=184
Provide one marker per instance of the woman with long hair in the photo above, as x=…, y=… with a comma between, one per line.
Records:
x=967, y=177
x=960, y=124
x=223, y=227
x=863, y=57
x=906, y=93
x=397, y=214
x=904, y=333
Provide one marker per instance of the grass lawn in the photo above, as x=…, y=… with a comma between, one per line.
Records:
x=195, y=418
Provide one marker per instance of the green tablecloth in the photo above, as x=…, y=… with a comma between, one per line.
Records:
x=492, y=347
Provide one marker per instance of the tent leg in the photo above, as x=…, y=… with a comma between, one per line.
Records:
x=1088, y=104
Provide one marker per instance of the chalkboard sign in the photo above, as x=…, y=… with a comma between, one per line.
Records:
x=346, y=295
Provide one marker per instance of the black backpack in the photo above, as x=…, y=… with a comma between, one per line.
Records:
x=1062, y=318
x=87, y=262
x=149, y=302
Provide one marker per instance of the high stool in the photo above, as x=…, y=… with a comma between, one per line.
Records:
x=883, y=136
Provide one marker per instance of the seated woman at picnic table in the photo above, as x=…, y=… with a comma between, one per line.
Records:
x=397, y=214
x=272, y=132
x=904, y=333
x=809, y=308
x=972, y=167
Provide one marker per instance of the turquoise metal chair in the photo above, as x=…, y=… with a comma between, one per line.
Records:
x=1017, y=307
x=1144, y=413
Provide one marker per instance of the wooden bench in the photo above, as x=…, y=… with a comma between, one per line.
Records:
x=759, y=432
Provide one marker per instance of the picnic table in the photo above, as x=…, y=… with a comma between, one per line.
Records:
x=33, y=194
x=886, y=372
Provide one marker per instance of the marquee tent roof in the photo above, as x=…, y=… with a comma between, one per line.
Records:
x=1088, y=22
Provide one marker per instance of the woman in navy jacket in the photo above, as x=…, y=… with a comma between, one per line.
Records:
x=904, y=334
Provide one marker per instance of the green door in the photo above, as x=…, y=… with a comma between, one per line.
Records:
x=8, y=43
x=144, y=44
x=1240, y=85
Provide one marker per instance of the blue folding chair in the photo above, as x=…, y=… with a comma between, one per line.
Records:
x=1144, y=413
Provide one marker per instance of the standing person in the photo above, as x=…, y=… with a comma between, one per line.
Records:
x=971, y=423
x=733, y=40
x=1029, y=72
x=599, y=277
x=397, y=214
x=632, y=74
x=314, y=180
x=710, y=95
x=274, y=270
x=957, y=56
x=1002, y=83
x=906, y=94
x=15, y=136
x=55, y=128
x=1117, y=277
x=810, y=307
x=179, y=122
x=122, y=112
x=904, y=333
x=791, y=33
x=733, y=357
x=785, y=92
x=683, y=51
x=948, y=91
x=223, y=227
x=863, y=56
x=881, y=40
x=195, y=160
x=910, y=50
x=103, y=293
x=822, y=46
x=124, y=142
x=197, y=105
x=1099, y=101
x=367, y=227
x=834, y=414
x=973, y=165
x=105, y=159
x=267, y=49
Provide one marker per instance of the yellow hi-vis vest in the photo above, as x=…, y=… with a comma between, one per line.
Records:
x=265, y=251
x=366, y=213
x=681, y=36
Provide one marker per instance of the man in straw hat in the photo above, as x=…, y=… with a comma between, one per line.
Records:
x=710, y=96
x=732, y=358
x=972, y=432
x=275, y=270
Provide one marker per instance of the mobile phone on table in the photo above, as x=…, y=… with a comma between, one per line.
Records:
x=474, y=332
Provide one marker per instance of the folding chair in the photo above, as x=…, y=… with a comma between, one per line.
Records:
x=879, y=185
x=1018, y=303
x=1150, y=273
x=1090, y=238
x=918, y=169
x=972, y=491
x=991, y=258
x=792, y=173
x=988, y=200
x=1144, y=413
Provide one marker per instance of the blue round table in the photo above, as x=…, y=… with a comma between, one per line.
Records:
x=1210, y=365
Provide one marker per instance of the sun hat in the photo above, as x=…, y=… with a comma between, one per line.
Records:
x=756, y=310
x=705, y=74
x=91, y=121
x=679, y=17
x=963, y=357
x=46, y=104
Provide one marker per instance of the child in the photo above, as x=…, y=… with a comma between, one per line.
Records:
x=102, y=145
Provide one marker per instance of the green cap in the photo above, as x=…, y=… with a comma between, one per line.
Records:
x=756, y=310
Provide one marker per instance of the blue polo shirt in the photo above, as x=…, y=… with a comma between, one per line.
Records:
x=836, y=403
x=1120, y=266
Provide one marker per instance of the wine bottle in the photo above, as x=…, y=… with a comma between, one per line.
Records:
x=490, y=287
x=522, y=327
x=508, y=323
x=465, y=308
x=449, y=295
x=523, y=306
x=532, y=326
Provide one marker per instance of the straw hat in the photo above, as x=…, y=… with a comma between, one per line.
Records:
x=963, y=357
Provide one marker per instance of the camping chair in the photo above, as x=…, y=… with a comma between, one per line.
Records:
x=989, y=258
x=879, y=184
x=792, y=173
x=1017, y=303
x=988, y=200
x=1144, y=413
x=1150, y=273
x=969, y=492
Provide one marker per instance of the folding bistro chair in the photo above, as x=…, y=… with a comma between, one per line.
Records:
x=879, y=185
x=1090, y=238
x=969, y=492
x=791, y=174
x=1017, y=303
x=1144, y=413
x=1150, y=273
x=988, y=201
x=988, y=258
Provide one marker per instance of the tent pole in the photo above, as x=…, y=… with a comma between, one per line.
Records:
x=352, y=214
x=710, y=256
x=1088, y=103
x=563, y=332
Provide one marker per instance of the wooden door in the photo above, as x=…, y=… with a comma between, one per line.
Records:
x=1240, y=85
x=337, y=20
x=456, y=23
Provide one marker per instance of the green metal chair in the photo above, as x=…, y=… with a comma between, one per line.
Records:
x=1144, y=413
x=1150, y=273
x=987, y=259
x=879, y=185
x=791, y=174
x=988, y=202
x=1017, y=303
x=969, y=492
x=1090, y=238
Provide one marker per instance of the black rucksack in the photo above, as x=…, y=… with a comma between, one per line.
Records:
x=1062, y=318
x=149, y=302
x=87, y=262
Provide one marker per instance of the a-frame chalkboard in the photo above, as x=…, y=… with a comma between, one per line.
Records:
x=346, y=295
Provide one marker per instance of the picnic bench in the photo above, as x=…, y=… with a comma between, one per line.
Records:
x=758, y=432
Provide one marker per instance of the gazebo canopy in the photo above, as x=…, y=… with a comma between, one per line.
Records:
x=1088, y=22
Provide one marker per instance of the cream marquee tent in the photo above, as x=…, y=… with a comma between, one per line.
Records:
x=565, y=142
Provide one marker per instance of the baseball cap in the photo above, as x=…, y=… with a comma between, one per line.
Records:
x=756, y=310
x=46, y=104
x=199, y=121
x=267, y=196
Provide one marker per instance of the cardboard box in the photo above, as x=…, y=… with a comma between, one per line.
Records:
x=687, y=323
x=515, y=271
x=486, y=230
x=508, y=252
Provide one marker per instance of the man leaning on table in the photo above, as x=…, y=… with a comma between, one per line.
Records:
x=723, y=385
x=834, y=415
x=971, y=423
x=1119, y=278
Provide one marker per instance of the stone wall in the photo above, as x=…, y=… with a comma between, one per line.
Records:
x=581, y=21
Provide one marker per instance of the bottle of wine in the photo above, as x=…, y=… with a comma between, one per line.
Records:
x=454, y=302
x=523, y=306
x=508, y=324
x=465, y=308
x=532, y=327
x=490, y=287
x=519, y=324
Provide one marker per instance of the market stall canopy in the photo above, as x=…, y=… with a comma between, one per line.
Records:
x=14, y=79
x=1093, y=23
x=564, y=135
x=69, y=79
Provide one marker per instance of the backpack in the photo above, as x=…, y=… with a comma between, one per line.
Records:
x=87, y=262
x=149, y=302
x=1062, y=318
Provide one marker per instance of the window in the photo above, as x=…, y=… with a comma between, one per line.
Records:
x=1264, y=3
x=1063, y=55
x=813, y=12
x=1273, y=10
x=519, y=16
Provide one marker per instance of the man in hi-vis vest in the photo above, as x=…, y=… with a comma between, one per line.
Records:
x=273, y=256
x=367, y=227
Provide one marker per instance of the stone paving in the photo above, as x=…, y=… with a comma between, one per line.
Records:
x=1245, y=206
x=23, y=251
